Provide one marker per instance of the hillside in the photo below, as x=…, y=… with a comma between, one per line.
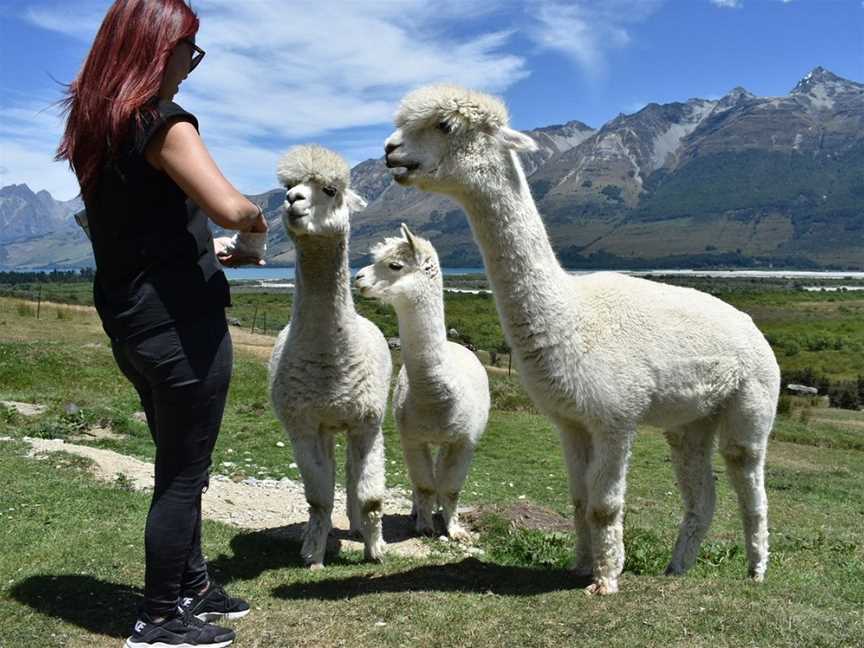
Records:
x=737, y=181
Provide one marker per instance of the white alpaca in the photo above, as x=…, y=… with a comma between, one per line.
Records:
x=601, y=353
x=330, y=369
x=442, y=393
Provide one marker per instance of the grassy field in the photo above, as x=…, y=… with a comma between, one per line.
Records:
x=71, y=566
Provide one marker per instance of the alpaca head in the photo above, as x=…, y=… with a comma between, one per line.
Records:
x=318, y=197
x=404, y=268
x=449, y=139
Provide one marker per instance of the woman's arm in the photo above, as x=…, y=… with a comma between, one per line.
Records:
x=179, y=151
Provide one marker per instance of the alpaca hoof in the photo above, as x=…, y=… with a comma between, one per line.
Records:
x=757, y=577
x=602, y=588
x=375, y=552
x=426, y=530
x=459, y=533
x=315, y=566
x=674, y=570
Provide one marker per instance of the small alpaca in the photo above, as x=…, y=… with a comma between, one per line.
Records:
x=601, y=353
x=330, y=369
x=442, y=392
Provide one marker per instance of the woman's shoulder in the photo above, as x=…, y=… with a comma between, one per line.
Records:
x=152, y=117
x=168, y=109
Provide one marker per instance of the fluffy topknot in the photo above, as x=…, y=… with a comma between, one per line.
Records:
x=316, y=164
x=456, y=106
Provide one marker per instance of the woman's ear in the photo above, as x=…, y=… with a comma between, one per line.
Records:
x=354, y=201
x=514, y=140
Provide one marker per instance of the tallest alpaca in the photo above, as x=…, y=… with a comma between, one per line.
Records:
x=602, y=353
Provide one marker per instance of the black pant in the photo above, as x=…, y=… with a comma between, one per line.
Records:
x=181, y=373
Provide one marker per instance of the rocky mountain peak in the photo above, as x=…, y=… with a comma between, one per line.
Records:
x=21, y=191
x=819, y=77
x=738, y=93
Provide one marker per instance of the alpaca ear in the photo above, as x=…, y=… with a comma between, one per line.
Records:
x=410, y=238
x=354, y=201
x=407, y=233
x=516, y=141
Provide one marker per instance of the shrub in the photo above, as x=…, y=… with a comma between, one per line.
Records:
x=845, y=395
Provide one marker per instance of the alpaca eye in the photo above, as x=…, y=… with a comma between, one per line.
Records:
x=396, y=267
x=445, y=127
x=330, y=191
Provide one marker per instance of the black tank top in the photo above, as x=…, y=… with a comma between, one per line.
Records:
x=155, y=262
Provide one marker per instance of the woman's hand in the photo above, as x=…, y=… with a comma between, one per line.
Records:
x=244, y=248
x=234, y=261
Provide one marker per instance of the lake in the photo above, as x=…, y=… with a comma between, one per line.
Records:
x=278, y=274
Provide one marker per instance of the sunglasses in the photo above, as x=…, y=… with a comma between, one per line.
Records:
x=197, y=54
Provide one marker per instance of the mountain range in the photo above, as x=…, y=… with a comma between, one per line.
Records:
x=736, y=181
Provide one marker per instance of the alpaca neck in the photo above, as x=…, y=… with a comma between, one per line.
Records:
x=423, y=339
x=526, y=278
x=322, y=293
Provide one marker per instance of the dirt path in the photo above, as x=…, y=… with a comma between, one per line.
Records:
x=251, y=504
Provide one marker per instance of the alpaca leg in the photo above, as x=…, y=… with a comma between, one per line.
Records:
x=692, y=447
x=366, y=453
x=607, y=483
x=743, y=443
x=418, y=458
x=576, y=442
x=451, y=469
x=313, y=452
x=351, y=504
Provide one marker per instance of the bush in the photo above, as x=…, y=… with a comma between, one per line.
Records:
x=508, y=395
x=845, y=396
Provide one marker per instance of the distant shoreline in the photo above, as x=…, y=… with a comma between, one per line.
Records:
x=277, y=273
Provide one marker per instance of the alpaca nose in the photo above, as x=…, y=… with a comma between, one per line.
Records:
x=294, y=196
x=358, y=276
x=389, y=147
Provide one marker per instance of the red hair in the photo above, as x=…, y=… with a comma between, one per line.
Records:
x=122, y=73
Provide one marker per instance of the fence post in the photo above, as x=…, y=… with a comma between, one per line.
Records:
x=264, y=322
x=254, y=317
x=39, y=302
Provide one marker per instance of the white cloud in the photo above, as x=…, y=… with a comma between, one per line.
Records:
x=275, y=75
x=29, y=135
x=78, y=20
x=585, y=31
x=728, y=4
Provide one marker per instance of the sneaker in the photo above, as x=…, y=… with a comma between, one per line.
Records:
x=214, y=605
x=182, y=631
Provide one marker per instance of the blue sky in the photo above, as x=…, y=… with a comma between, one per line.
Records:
x=279, y=73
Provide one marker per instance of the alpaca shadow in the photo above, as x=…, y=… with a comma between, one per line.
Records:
x=256, y=552
x=98, y=606
x=394, y=528
x=467, y=576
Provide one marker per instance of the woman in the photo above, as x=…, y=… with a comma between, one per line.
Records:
x=159, y=289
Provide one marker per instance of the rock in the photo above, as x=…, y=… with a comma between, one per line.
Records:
x=140, y=416
x=25, y=409
x=280, y=444
x=71, y=409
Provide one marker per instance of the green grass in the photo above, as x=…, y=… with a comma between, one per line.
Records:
x=71, y=565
